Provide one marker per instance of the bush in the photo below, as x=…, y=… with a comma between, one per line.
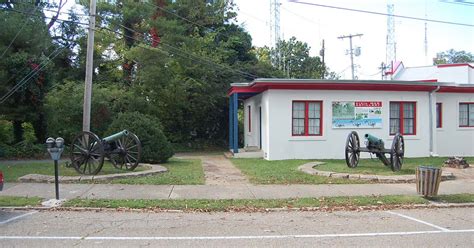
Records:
x=155, y=145
x=22, y=150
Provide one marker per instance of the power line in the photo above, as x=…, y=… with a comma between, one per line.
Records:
x=197, y=58
x=58, y=19
x=383, y=14
x=30, y=75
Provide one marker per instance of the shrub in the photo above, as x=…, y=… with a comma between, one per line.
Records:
x=155, y=145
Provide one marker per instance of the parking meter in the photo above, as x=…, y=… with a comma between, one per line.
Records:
x=55, y=148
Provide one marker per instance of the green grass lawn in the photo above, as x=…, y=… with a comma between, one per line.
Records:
x=12, y=172
x=243, y=204
x=260, y=204
x=375, y=166
x=180, y=172
x=19, y=201
x=261, y=171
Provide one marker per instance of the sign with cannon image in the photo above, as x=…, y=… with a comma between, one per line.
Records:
x=357, y=114
x=122, y=149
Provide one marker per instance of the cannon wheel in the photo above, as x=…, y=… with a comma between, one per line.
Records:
x=129, y=151
x=397, y=152
x=352, y=150
x=87, y=153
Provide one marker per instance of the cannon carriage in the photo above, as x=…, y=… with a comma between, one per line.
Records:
x=88, y=151
x=375, y=146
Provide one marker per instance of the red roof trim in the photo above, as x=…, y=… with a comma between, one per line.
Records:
x=455, y=65
x=453, y=89
x=428, y=80
x=260, y=87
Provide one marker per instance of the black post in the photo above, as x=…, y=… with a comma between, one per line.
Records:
x=56, y=181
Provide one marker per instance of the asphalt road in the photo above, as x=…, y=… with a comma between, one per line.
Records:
x=452, y=227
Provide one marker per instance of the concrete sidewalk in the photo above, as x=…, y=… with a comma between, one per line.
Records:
x=241, y=191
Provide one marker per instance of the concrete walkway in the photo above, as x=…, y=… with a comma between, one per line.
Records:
x=237, y=191
x=218, y=170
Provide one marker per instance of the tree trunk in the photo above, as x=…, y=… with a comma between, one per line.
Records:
x=17, y=131
x=39, y=126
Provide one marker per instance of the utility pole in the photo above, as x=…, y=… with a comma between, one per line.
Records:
x=86, y=114
x=383, y=67
x=351, y=51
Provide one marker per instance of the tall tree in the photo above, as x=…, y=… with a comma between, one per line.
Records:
x=24, y=67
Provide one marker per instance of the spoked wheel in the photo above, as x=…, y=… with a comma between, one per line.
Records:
x=128, y=153
x=352, y=150
x=87, y=153
x=397, y=152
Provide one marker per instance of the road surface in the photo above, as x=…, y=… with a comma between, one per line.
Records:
x=452, y=227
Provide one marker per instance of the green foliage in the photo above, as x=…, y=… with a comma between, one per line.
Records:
x=65, y=107
x=295, y=61
x=6, y=132
x=155, y=145
x=22, y=149
x=452, y=56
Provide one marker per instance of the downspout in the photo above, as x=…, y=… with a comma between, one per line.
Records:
x=432, y=128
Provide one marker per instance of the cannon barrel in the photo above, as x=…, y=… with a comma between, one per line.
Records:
x=374, y=141
x=115, y=136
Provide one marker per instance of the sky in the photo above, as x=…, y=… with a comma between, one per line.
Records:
x=312, y=24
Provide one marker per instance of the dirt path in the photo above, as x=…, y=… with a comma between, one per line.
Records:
x=218, y=170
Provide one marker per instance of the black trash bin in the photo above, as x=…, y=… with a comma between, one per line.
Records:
x=427, y=180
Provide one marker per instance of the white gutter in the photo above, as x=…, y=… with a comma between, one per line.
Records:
x=432, y=123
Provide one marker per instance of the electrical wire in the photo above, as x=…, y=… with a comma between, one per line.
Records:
x=383, y=14
x=197, y=58
x=30, y=75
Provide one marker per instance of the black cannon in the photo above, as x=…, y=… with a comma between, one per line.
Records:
x=375, y=146
x=88, y=151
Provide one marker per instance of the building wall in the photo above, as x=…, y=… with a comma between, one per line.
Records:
x=282, y=145
x=462, y=74
x=451, y=139
x=454, y=74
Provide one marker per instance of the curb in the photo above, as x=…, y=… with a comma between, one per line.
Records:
x=431, y=205
x=309, y=169
x=38, y=178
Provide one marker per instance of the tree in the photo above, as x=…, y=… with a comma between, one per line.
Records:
x=24, y=63
x=452, y=56
x=292, y=57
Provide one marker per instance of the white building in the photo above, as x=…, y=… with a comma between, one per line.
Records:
x=310, y=119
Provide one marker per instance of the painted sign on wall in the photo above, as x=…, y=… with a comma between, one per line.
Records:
x=360, y=114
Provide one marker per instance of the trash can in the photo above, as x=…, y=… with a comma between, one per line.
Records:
x=427, y=180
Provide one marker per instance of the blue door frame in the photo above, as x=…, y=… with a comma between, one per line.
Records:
x=233, y=123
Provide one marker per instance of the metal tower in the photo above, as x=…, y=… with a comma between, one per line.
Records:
x=391, y=48
x=275, y=29
x=426, y=35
